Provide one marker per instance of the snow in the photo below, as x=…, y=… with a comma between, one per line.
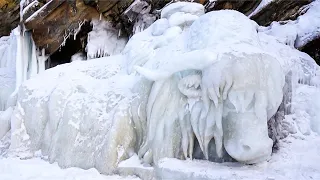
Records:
x=37, y=12
x=299, y=32
x=29, y=6
x=38, y=169
x=262, y=5
x=183, y=7
x=306, y=106
x=297, y=160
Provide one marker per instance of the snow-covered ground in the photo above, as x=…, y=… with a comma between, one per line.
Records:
x=38, y=169
x=298, y=159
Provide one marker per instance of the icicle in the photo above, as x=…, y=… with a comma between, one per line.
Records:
x=41, y=61
x=33, y=3
x=33, y=66
x=22, y=2
x=78, y=30
x=184, y=132
x=20, y=71
x=208, y=130
x=195, y=116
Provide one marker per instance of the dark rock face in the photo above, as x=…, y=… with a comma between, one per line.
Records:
x=57, y=21
x=244, y=6
x=279, y=10
x=9, y=13
x=60, y=18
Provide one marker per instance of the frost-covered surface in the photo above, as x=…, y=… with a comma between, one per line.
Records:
x=262, y=4
x=306, y=108
x=301, y=31
x=296, y=160
x=104, y=40
x=7, y=69
x=38, y=169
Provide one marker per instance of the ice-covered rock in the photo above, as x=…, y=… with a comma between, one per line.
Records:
x=299, y=32
x=82, y=113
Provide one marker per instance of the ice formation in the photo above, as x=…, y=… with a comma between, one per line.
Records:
x=103, y=40
x=190, y=80
x=19, y=61
x=299, y=32
x=7, y=69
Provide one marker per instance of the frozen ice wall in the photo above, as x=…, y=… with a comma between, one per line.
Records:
x=8, y=47
x=19, y=61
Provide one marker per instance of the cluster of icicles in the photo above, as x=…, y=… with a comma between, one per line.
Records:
x=20, y=56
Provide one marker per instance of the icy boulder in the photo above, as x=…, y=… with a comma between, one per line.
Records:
x=81, y=115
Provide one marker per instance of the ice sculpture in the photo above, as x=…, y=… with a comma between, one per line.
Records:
x=190, y=78
x=238, y=89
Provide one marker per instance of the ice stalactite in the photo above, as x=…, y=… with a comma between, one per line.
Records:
x=41, y=61
x=103, y=40
x=27, y=61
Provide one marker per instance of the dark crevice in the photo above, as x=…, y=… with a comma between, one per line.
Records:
x=313, y=49
x=71, y=47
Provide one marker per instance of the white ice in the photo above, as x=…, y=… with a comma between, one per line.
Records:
x=299, y=32
x=103, y=40
x=38, y=169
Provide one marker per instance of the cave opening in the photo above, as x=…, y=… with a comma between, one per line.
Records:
x=72, y=46
x=313, y=49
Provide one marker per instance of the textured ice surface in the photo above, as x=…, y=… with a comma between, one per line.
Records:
x=82, y=114
x=38, y=169
x=301, y=31
x=241, y=87
x=103, y=40
x=291, y=162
